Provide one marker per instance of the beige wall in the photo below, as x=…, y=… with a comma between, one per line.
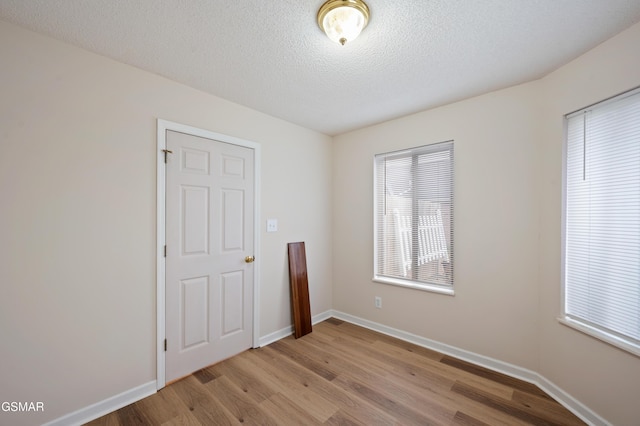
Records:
x=77, y=228
x=604, y=378
x=508, y=165
x=495, y=226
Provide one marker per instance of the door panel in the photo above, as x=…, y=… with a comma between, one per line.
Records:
x=232, y=209
x=232, y=302
x=195, y=311
x=209, y=232
x=232, y=166
x=195, y=161
x=195, y=220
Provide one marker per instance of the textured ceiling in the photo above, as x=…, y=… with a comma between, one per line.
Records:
x=271, y=56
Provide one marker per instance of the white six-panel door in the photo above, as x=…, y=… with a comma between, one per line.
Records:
x=209, y=236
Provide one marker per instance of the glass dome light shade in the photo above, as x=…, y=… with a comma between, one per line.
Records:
x=343, y=20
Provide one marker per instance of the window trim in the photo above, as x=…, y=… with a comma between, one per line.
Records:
x=589, y=330
x=578, y=324
x=433, y=288
x=396, y=281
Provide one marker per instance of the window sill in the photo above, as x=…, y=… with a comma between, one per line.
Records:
x=414, y=285
x=611, y=339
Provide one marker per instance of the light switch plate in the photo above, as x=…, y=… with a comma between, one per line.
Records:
x=272, y=225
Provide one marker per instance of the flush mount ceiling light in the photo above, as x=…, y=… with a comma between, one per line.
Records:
x=343, y=20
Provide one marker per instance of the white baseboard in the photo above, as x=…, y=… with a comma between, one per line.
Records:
x=569, y=402
x=106, y=406
x=288, y=331
x=322, y=316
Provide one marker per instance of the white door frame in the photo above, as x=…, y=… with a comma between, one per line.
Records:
x=163, y=126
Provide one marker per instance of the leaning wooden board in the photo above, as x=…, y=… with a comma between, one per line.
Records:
x=299, y=289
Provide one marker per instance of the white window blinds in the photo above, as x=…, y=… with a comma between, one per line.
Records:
x=602, y=221
x=414, y=217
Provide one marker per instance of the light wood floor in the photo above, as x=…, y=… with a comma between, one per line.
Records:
x=342, y=374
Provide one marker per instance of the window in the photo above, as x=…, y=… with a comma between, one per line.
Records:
x=413, y=218
x=602, y=221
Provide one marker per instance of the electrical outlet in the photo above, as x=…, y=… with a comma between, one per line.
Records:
x=378, y=302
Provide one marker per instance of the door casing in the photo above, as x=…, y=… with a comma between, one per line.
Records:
x=162, y=127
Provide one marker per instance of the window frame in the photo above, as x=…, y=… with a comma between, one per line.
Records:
x=583, y=325
x=408, y=282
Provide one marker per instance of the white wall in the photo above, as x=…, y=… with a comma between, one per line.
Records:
x=77, y=228
x=508, y=165
x=605, y=378
x=495, y=226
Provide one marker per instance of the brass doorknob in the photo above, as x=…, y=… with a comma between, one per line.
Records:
x=249, y=259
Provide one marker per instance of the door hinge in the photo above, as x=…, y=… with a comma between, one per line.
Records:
x=165, y=345
x=166, y=151
x=165, y=251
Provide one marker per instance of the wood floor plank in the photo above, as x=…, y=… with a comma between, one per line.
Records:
x=206, y=375
x=131, y=415
x=355, y=353
x=318, y=367
x=300, y=307
x=482, y=412
x=462, y=419
x=545, y=408
x=344, y=330
x=240, y=405
x=342, y=374
x=111, y=419
x=353, y=329
x=408, y=365
x=505, y=406
x=161, y=406
x=284, y=411
x=494, y=376
x=391, y=373
x=334, y=321
x=391, y=385
x=350, y=405
x=381, y=362
x=241, y=372
x=183, y=419
x=413, y=354
x=423, y=372
x=348, y=417
x=298, y=387
x=201, y=404
x=399, y=408
x=443, y=370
